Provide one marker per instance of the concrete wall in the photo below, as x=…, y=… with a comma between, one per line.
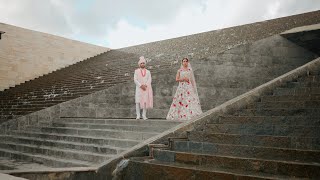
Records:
x=27, y=54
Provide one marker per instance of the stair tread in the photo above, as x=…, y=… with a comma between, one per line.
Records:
x=73, y=161
x=65, y=142
x=210, y=169
x=67, y=135
x=59, y=149
x=248, y=158
x=106, y=130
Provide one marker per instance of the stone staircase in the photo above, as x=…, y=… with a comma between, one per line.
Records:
x=277, y=137
x=116, y=66
x=76, y=142
x=83, y=78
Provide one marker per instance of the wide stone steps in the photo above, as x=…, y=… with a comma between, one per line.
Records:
x=56, y=152
x=262, y=129
x=90, y=140
x=284, y=154
x=95, y=132
x=105, y=149
x=306, y=143
x=42, y=159
x=256, y=165
x=142, y=168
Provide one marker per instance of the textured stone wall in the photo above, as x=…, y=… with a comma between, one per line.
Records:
x=27, y=54
x=220, y=77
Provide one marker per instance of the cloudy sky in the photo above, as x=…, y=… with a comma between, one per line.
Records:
x=121, y=23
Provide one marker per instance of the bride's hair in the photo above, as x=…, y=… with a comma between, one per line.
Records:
x=184, y=59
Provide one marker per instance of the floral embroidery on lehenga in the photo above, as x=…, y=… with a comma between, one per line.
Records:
x=185, y=104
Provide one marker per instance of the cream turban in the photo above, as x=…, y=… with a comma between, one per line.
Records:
x=141, y=60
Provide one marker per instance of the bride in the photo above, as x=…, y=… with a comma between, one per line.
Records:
x=185, y=104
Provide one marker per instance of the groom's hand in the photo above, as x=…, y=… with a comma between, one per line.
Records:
x=143, y=87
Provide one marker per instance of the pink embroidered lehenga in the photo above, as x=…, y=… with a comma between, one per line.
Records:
x=185, y=104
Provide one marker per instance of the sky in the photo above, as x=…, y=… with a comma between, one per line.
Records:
x=122, y=23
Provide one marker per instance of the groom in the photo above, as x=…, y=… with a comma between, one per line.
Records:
x=144, y=95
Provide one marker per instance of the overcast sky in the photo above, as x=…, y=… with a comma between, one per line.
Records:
x=121, y=23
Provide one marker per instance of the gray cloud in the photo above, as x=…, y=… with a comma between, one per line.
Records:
x=96, y=19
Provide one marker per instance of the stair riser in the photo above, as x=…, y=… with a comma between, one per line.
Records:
x=290, y=98
x=279, y=112
x=301, y=104
x=99, y=133
x=253, y=165
x=246, y=151
x=296, y=91
x=253, y=140
x=87, y=148
x=39, y=160
x=272, y=130
x=164, y=123
x=54, y=153
x=266, y=120
x=302, y=84
x=140, y=170
x=86, y=140
x=120, y=128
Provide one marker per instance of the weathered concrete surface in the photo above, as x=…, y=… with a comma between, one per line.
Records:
x=9, y=177
x=27, y=54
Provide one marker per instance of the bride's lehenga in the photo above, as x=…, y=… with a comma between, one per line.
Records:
x=185, y=104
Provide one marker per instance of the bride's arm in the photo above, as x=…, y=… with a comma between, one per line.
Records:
x=178, y=77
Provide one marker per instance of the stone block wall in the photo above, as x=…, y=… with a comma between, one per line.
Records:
x=27, y=54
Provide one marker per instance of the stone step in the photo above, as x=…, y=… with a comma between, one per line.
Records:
x=106, y=149
x=144, y=168
x=315, y=78
x=268, y=120
x=290, y=98
x=306, y=143
x=42, y=159
x=56, y=152
x=149, y=122
x=247, y=151
x=287, y=104
x=90, y=140
x=310, y=112
x=96, y=133
x=256, y=165
x=302, y=84
x=297, y=91
x=120, y=127
x=261, y=129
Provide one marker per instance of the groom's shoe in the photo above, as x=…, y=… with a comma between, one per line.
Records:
x=138, y=117
x=145, y=118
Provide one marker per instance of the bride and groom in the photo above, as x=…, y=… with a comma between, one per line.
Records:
x=185, y=103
